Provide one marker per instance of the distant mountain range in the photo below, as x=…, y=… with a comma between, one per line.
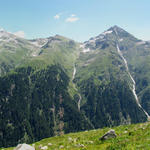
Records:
x=54, y=85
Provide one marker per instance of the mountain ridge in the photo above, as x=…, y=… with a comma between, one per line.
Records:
x=94, y=81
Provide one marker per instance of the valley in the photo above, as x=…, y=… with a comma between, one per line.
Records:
x=53, y=86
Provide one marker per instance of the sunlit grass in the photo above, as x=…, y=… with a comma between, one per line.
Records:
x=129, y=137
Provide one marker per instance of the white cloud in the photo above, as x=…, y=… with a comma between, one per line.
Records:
x=73, y=15
x=20, y=34
x=57, y=16
x=72, y=18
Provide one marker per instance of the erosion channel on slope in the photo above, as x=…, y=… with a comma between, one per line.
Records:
x=73, y=76
x=133, y=81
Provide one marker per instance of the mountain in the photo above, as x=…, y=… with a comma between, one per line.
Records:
x=17, y=51
x=13, y=51
x=30, y=93
x=55, y=85
x=105, y=81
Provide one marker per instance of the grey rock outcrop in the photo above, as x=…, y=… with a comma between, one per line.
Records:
x=24, y=147
x=110, y=134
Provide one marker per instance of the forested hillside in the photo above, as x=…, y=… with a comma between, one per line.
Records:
x=36, y=104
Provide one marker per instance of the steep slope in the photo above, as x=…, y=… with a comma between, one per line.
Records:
x=30, y=92
x=59, y=50
x=38, y=53
x=36, y=104
x=108, y=94
x=137, y=54
x=39, y=93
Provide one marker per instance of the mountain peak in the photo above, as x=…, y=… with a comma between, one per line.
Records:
x=114, y=33
x=120, y=32
x=116, y=29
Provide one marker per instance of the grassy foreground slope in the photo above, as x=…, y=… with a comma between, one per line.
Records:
x=129, y=137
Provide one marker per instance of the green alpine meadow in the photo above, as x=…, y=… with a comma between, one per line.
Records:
x=129, y=137
x=56, y=93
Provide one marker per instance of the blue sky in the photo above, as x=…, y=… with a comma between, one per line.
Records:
x=76, y=19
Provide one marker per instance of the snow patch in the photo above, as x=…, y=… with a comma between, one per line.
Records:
x=120, y=40
x=101, y=36
x=107, y=32
x=85, y=50
x=39, y=42
x=141, y=43
x=34, y=55
x=93, y=40
x=36, y=43
x=82, y=45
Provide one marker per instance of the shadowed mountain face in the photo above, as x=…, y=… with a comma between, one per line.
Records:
x=55, y=85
